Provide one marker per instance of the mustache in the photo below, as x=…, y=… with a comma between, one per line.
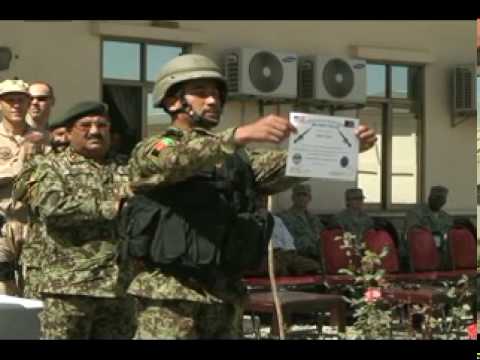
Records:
x=95, y=136
x=60, y=143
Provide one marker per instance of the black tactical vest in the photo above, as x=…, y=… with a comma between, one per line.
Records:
x=207, y=221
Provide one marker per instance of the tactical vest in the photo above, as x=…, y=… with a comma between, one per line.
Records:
x=205, y=222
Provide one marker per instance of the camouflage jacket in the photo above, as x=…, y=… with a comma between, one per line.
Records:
x=305, y=229
x=354, y=222
x=76, y=200
x=30, y=254
x=175, y=155
x=422, y=216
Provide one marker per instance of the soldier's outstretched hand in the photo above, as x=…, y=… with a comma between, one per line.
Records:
x=366, y=136
x=271, y=129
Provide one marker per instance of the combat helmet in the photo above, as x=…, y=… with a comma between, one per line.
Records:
x=184, y=68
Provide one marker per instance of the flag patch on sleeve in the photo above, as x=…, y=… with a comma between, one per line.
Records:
x=163, y=143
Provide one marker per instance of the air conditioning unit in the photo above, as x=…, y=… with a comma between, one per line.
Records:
x=464, y=90
x=261, y=73
x=332, y=79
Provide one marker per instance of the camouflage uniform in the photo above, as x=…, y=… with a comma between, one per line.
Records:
x=305, y=229
x=175, y=306
x=30, y=259
x=77, y=200
x=353, y=221
x=438, y=222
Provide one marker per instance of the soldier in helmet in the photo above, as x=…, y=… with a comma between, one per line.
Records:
x=353, y=219
x=431, y=216
x=201, y=188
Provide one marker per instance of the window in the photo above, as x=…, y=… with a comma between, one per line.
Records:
x=129, y=70
x=389, y=172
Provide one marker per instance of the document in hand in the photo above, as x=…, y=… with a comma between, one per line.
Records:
x=324, y=147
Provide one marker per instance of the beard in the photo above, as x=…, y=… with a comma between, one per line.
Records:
x=59, y=145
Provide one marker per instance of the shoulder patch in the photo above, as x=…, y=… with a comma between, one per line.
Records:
x=163, y=143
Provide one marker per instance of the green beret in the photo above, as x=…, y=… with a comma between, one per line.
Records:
x=78, y=111
x=438, y=190
x=302, y=189
x=354, y=193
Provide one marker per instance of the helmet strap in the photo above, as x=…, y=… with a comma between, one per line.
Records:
x=197, y=119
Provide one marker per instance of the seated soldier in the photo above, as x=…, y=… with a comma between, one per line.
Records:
x=353, y=219
x=302, y=224
x=431, y=216
x=286, y=260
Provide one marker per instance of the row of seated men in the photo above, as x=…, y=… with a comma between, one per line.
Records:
x=295, y=237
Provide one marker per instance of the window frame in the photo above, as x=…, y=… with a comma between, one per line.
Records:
x=145, y=85
x=387, y=104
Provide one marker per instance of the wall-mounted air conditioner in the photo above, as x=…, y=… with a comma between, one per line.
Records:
x=261, y=73
x=332, y=79
x=464, y=90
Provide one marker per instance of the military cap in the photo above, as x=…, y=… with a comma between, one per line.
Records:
x=354, y=193
x=438, y=190
x=302, y=189
x=14, y=87
x=78, y=111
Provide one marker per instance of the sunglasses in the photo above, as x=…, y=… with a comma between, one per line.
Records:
x=41, y=97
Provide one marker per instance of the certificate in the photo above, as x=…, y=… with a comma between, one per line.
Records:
x=324, y=147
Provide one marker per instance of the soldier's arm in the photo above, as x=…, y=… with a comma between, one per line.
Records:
x=269, y=169
x=167, y=160
x=19, y=189
x=58, y=207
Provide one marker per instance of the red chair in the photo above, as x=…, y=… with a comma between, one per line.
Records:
x=376, y=240
x=423, y=252
x=463, y=249
x=334, y=257
x=426, y=258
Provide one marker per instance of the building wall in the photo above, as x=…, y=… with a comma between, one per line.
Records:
x=63, y=53
x=67, y=54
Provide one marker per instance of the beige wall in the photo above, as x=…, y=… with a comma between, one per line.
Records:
x=63, y=53
x=67, y=54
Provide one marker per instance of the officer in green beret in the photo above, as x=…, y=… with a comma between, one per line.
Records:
x=75, y=198
x=353, y=219
x=432, y=217
x=59, y=140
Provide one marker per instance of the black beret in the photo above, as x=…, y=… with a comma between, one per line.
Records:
x=78, y=111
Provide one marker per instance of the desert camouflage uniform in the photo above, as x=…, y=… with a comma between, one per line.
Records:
x=174, y=306
x=14, y=151
x=77, y=200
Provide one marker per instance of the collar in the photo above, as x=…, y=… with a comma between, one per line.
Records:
x=76, y=158
x=4, y=132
